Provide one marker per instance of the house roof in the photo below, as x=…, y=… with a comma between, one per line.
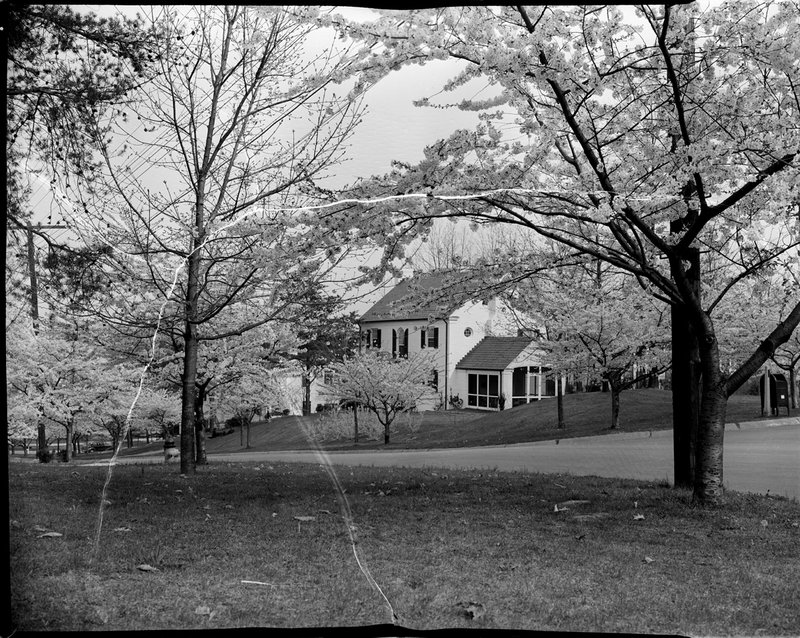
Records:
x=494, y=353
x=413, y=298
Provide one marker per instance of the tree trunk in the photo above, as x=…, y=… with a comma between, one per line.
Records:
x=68, y=444
x=200, y=425
x=685, y=382
x=306, y=394
x=355, y=424
x=560, y=404
x=709, y=449
x=249, y=421
x=386, y=434
x=189, y=376
x=615, y=392
x=200, y=443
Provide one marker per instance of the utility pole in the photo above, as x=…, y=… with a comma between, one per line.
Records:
x=41, y=435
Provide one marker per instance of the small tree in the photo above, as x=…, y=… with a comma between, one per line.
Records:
x=387, y=387
x=598, y=322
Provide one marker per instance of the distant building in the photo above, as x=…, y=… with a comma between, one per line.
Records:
x=479, y=356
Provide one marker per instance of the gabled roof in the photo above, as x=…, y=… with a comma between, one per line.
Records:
x=494, y=353
x=413, y=299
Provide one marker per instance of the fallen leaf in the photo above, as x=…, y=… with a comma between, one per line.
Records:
x=648, y=560
x=49, y=535
x=39, y=528
x=202, y=610
x=324, y=511
x=305, y=519
x=557, y=509
x=638, y=517
x=122, y=529
x=146, y=568
x=764, y=523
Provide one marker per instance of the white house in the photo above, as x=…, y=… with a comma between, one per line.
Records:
x=479, y=356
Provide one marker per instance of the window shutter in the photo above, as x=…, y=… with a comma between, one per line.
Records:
x=369, y=338
x=423, y=336
x=394, y=342
x=378, y=338
x=435, y=338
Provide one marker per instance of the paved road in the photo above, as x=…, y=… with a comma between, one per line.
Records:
x=756, y=460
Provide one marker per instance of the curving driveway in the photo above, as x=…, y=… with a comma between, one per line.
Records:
x=757, y=458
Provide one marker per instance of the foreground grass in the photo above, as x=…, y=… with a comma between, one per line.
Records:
x=436, y=542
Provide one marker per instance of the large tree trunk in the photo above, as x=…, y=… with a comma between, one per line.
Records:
x=386, y=434
x=685, y=382
x=709, y=450
x=41, y=441
x=200, y=425
x=559, y=404
x=189, y=376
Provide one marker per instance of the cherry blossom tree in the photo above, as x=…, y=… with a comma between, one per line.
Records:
x=596, y=323
x=60, y=377
x=387, y=387
x=626, y=137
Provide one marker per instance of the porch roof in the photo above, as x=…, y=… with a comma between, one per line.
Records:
x=494, y=353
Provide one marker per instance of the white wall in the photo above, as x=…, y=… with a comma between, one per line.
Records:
x=489, y=319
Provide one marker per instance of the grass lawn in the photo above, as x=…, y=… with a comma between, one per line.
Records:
x=449, y=549
x=586, y=414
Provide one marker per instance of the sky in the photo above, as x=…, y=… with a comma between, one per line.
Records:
x=392, y=128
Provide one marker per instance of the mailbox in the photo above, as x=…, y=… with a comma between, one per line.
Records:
x=775, y=395
x=781, y=393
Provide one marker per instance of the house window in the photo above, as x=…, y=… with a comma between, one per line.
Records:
x=483, y=390
x=467, y=332
x=434, y=380
x=327, y=377
x=400, y=343
x=429, y=338
x=368, y=338
x=376, y=338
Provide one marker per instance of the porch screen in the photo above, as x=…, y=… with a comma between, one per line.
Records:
x=483, y=390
